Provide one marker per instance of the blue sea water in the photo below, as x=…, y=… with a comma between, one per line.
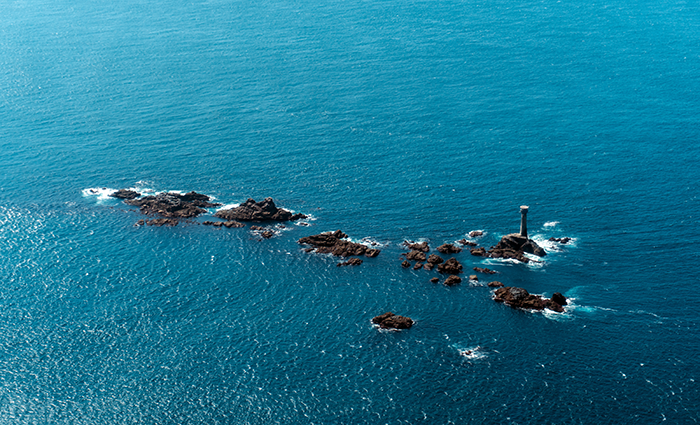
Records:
x=393, y=121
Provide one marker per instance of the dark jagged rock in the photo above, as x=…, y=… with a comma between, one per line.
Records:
x=125, y=194
x=519, y=298
x=351, y=262
x=478, y=252
x=451, y=266
x=162, y=222
x=558, y=298
x=391, y=321
x=267, y=234
x=257, y=228
x=333, y=243
x=466, y=242
x=561, y=240
x=514, y=246
x=434, y=280
x=448, y=248
x=435, y=259
x=405, y=264
x=233, y=224
x=452, y=280
x=415, y=256
x=418, y=266
x=495, y=284
x=484, y=270
x=265, y=210
x=474, y=277
x=475, y=233
x=422, y=247
x=140, y=223
x=173, y=205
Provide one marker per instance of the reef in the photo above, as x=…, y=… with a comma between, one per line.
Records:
x=265, y=210
x=391, y=321
x=173, y=205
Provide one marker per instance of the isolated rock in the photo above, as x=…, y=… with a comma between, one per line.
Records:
x=452, y=280
x=405, y=264
x=495, y=284
x=267, y=234
x=434, y=280
x=466, y=242
x=475, y=233
x=474, y=277
x=423, y=246
x=391, y=321
x=125, y=194
x=451, y=266
x=333, y=243
x=265, y=210
x=448, y=248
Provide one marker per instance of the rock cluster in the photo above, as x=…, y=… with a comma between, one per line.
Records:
x=258, y=211
x=422, y=247
x=448, y=248
x=451, y=266
x=125, y=194
x=563, y=241
x=519, y=298
x=333, y=243
x=391, y=321
x=484, y=270
x=514, y=246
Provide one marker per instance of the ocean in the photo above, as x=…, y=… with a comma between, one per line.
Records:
x=391, y=121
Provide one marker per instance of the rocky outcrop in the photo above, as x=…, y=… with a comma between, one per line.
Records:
x=422, y=247
x=333, y=243
x=265, y=210
x=563, y=241
x=466, y=242
x=125, y=194
x=418, y=266
x=473, y=277
x=435, y=259
x=478, y=252
x=514, y=246
x=227, y=224
x=495, y=284
x=351, y=262
x=405, y=264
x=475, y=233
x=519, y=298
x=158, y=222
x=451, y=266
x=452, y=280
x=434, y=280
x=173, y=205
x=391, y=321
x=484, y=270
x=558, y=298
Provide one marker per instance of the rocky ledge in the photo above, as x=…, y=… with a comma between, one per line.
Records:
x=333, y=243
x=258, y=211
x=173, y=205
x=512, y=246
x=519, y=298
x=391, y=321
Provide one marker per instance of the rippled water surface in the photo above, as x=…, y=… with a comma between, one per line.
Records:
x=393, y=121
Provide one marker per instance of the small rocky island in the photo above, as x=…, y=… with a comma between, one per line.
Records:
x=391, y=321
x=170, y=207
x=515, y=245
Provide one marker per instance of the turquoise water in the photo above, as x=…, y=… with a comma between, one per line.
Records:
x=415, y=120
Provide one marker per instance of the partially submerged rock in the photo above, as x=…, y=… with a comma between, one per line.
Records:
x=448, y=248
x=466, y=242
x=475, y=233
x=415, y=256
x=563, y=241
x=484, y=270
x=451, y=266
x=173, y=205
x=333, y=243
x=391, y=321
x=227, y=224
x=452, y=280
x=423, y=246
x=495, y=284
x=435, y=259
x=158, y=222
x=519, y=298
x=474, y=277
x=265, y=210
x=478, y=252
x=125, y=194
x=351, y=262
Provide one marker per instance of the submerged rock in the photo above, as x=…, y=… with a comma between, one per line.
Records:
x=484, y=270
x=391, y=321
x=162, y=222
x=333, y=243
x=265, y=210
x=351, y=262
